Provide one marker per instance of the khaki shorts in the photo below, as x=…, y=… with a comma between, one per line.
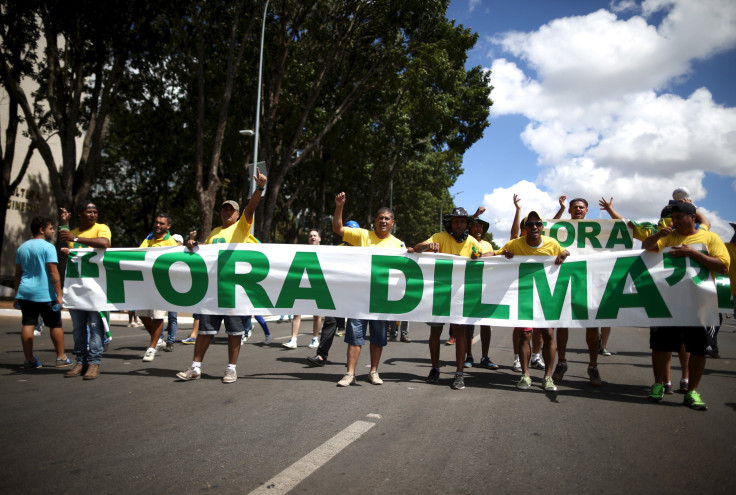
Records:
x=156, y=314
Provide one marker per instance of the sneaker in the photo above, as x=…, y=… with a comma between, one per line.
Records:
x=290, y=344
x=683, y=386
x=657, y=393
x=668, y=389
x=595, y=377
x=537, y=364
x=246, y=335
x=711, y=352
x=450, y=341
x=374, y=378
x=525, y=382
x=314, y=343
x=189, y=341
x=32, y=365
x=560, y=370
x=469, y=362
x=458, y=383
x=37, y=333
x=190, y=373
x=516, y=366
x=340, y=333
x=549, y=384
x=488, y=364
x=149, y=355
x=316, y=360
x=406, y=339
x=169, y=347
x=347, y=380
x=604, y=352
x=434, y=376
x=63, y=362
x=230, y=376
x=160, y=344
x=693, y=401
x=269, y=339
x=393, y=338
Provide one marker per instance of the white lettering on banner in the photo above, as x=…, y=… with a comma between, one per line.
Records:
x=631, y=288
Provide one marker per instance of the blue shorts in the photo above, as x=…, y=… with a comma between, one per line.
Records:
x=355, y=332
x=210, y=324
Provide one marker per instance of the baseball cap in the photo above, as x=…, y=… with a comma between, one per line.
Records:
x=232, y=203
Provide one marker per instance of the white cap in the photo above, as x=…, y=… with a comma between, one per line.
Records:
x=680, y=193
x=178, y=238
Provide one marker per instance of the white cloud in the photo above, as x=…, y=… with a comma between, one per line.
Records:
x=599, y=118
x=473, y=4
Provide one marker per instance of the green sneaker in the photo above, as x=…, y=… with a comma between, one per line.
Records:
x=549, y=385
x=524, y=383
x=693, y=401
x=657, y=393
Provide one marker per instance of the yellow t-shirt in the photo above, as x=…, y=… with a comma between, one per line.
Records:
x=237, y=232
x=97, y=230
x=549, y=247
x=166, y=240
x=368, y=238
x=731, y=248
x=711, y=241
x=449, y=245
x=642, y=231
x=485, y=246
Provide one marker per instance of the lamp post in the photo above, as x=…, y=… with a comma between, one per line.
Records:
x=443, y=206
x=258, y=99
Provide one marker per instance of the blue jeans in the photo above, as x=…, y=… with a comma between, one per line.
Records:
x=81, y=320
x=355, y=331
x=172, y=327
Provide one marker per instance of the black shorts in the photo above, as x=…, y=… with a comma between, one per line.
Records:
x=668, y=339
x=31, y=309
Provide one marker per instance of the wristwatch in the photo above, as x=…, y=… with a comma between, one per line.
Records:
x=261, y=188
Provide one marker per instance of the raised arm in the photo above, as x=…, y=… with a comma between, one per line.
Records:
x=516, y=226
x=563, y=207
x=337, y=226
x=250, y=208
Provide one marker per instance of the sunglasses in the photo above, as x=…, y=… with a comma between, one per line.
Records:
x=529, y=225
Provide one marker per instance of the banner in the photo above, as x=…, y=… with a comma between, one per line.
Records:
x=617, y=288
x=588, y=236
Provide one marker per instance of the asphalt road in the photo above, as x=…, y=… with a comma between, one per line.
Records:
x=285, y=425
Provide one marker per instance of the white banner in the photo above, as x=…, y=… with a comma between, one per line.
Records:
x=621, y=288
x=588, y=236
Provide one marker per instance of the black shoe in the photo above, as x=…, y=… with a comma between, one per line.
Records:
x=392, y=338
x=169, y=346
x=458, y=383
x=712, y=352
x=434, y=376
x=316, y=360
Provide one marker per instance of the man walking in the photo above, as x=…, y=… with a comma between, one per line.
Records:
x=38, y=291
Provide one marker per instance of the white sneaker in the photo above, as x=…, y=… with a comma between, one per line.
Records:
x=269, y=339
x=346, y=380
x=374, y=378
x=160, y=344
x=516, y=366
x=36, y=333
x=230, y=376
x=150, y=354
x=314, y=343
x=290, y=344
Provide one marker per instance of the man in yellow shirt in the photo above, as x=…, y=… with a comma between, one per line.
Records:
x=535, y=244
x=235, y=228
x=454, y=240
x=478, y=230
x=355, y=329
x=680, y=235
x=153, y=319
x=94, y=235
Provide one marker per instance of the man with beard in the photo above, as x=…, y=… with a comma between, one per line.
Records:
x=578, y=209
x=454, y=240
x=534, y=244
x=681, y=235
x=355, y=330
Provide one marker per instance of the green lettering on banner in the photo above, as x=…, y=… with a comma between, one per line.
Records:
x=380, y=269
x=620, y=235
x=573, y=273
x=88, y=269
x=554, y=233
x=646, y=296
x=590, y=231
x=703, y=273
x=473, y=307
x=197, y=270
x=227, y=279
x=317, y=290
x=442, y=294
x=723, y=289
x=116, y=276
x=678, y=267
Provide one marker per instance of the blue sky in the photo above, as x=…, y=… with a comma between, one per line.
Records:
x=624, y=99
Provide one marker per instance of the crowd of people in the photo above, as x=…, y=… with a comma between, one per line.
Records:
x=39, y=294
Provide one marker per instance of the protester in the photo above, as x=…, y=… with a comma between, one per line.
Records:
x=356, y=329
x=235, y=228
x=38, y=291
x=314, y=239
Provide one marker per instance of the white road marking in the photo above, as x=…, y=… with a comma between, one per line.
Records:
x=301, y=469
